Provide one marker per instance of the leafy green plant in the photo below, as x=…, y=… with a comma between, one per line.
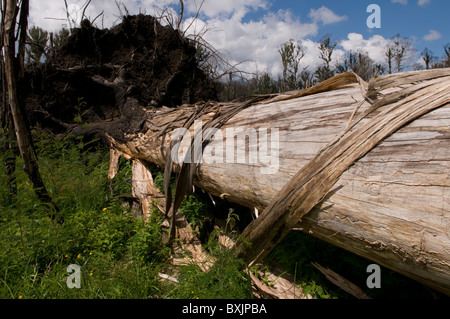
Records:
x=81, y=110
x=195, y=211
x=115, y=251
x=146, y=245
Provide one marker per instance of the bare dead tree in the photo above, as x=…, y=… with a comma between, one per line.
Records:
x=389, y=58
x=84, y=8
x=180, y=16
x=13, y=74
x=399, y=54
x=123, y=10
x=74, y=21
x=7, y=136
x=446, y=58
x=291, y=54
x=428, y=58
x=69, y=18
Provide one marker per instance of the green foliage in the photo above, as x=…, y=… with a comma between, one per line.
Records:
x=291, y=54
x=37, y=39
x=119, y=255
x=195, y=211
x=81, y=110
x=61, y=37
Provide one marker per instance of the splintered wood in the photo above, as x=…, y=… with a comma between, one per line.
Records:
x=190, y=246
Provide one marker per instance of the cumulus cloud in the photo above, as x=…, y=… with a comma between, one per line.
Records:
x=256, y=43
x=374, y=46
x=226, y=9
x=325, y=16
x=432, y=35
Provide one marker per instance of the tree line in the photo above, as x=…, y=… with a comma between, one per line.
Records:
x=399, y=56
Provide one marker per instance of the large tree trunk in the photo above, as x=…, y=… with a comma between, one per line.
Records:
x=364, y=168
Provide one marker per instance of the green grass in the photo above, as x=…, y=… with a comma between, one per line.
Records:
x=120, y=256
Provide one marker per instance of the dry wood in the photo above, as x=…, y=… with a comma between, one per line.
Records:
x=385, y=193
x=342, y=282
x=280, y=288
x=296, y=199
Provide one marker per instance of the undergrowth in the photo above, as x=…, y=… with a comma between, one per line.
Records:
x=119, y=255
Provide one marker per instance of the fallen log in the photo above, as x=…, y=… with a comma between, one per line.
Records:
x=364, y=166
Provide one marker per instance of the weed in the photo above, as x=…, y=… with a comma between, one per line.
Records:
x=225, y=280
x=119, y=255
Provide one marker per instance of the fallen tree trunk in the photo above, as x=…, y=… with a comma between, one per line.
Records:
x=372, y=162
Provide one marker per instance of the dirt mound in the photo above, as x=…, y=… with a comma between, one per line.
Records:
x=103, y=74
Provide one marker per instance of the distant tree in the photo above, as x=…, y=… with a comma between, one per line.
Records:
x=265, y=84
x=326, y=48
x=446, y=58
x=307, y=79
x=399, y=54
x=291, y=55
x=445, y=61
x=389, y=59
x=37, y=44
x=59, y=38
x=428, y=58
x=361, y=64
x=204, y=60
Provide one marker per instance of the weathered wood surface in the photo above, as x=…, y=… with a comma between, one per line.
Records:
x=392, y=206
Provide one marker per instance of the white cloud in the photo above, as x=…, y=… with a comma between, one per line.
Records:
x=423, y=3
x=51, y=14
x=404, y=2
x=325, y=16
x=225, y=9
x=374, y=46
x=257, y=41
x=432, y=35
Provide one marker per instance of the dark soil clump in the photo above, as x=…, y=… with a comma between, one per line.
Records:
x=105, y=74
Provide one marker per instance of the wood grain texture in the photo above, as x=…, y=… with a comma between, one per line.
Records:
x=391, y=206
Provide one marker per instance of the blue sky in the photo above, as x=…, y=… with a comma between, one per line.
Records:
x=250, y=32
x=409, y=20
